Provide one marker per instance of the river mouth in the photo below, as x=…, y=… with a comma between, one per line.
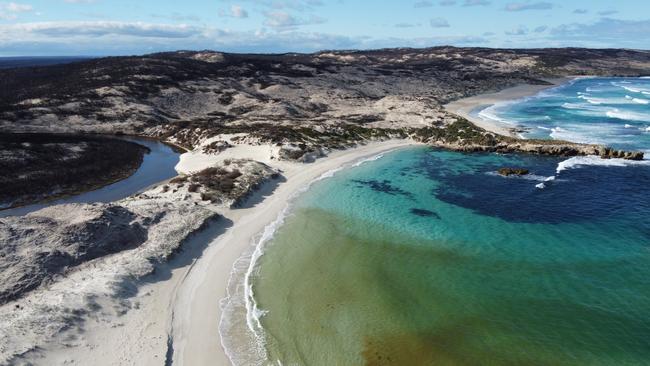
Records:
x=156, y=164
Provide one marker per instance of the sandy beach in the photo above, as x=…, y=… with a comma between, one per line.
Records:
x=464, y=107
x=176, y=314
x=196, y=310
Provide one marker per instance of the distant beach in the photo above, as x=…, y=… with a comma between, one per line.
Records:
x=466, y=106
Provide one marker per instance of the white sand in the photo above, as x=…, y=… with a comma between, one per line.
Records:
x=464, y=107
x=196, y=308
x=180, y=303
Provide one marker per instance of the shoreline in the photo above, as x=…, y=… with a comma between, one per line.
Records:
x=176, y=311
x=198, y=311
x=464, y=107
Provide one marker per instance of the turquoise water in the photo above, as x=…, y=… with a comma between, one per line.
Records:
x=612, y=111
x=428, y=257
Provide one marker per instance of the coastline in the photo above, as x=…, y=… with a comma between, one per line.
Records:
x=464, y=107
x=197, y=310
x=177, y=309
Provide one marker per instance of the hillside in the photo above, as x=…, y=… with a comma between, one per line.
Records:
x=330, y=99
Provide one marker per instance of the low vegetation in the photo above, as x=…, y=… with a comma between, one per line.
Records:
x=38, y=166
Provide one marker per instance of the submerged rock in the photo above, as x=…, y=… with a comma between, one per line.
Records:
x=506, y=172
x=424, y=213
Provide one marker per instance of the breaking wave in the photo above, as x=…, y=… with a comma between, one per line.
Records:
x=581, y=161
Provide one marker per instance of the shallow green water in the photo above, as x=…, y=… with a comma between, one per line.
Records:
x=427, y=258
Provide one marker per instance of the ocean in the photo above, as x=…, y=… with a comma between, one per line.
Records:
x=429, y=257
x=611, y=111
x=16, y=62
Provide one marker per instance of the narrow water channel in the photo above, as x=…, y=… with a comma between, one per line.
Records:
x=156, y=166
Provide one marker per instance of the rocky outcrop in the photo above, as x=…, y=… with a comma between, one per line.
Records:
x=462, y=135
x=544, y=147
x=506, y=172
x=608, y=153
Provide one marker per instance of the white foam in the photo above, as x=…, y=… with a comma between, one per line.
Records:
x=559, y=133
x=580, y=161
x=572, y=106
x=491, y=113
x=591, y=100
x=627, y=100
x=628, y=116
x=540, y=186
x=586, y=107
x=634, y=88
x=373, y=158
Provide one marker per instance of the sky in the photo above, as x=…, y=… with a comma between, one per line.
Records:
x=121, y=27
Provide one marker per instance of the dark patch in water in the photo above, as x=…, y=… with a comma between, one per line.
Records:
x=424, y=213
x=443, y=345
x=383, y=186
x=583, y=194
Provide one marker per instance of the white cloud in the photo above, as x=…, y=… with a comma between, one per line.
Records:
x=607, y=12
x=94, y=29
x=606, y=32
x=476, y=3
x=519, y=31
x=298, y=5
x=119, y=38
x=423, y=4
x=439, y=23
x=282, y=19
x=10, y=11
x=237, y=11
x=18, y=8
x=529, y=6
x=173, y=16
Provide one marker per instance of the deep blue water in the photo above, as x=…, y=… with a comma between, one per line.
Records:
x=13, y=62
